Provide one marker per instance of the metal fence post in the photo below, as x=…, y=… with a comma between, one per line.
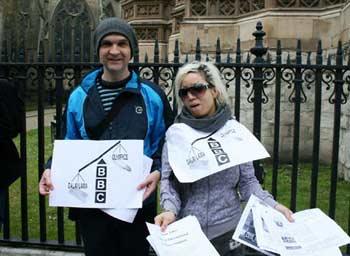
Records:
x=259, y=51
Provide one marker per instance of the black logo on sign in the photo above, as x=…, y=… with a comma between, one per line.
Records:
x=220, y=155
x=78, y=183
x=101, y=182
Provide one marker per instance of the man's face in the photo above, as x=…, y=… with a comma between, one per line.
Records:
x=115, y=53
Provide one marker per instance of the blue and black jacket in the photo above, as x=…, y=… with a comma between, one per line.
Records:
x=145, y=116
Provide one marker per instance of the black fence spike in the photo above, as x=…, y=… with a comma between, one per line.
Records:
x=218, y=51
x=288, y=59
x=268, y=58
x=308, y=61
x=176, y=51
x=156, y=52
x=198, y=50
x=238, y=51
x=279, y=47
x=186, y=58
x=137, y=55
x=329, y=60
x=228, y=58
x=146, y=58
x=41, y=53
x=207, y=57
x=298, y=52
x=279, y=52
x=340, y=53
x=248, y=58
x=319, y=59
x=259, y=50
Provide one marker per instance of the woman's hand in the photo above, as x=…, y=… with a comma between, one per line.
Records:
x=285, y=211
x=164, y=219
x=150, y=183
x=45, y=184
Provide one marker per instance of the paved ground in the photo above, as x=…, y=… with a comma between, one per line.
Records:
x=32, y=118
x=7, y=251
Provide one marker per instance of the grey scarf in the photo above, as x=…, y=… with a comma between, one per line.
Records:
x=208, y=123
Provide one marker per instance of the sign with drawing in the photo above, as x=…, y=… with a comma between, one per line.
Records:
x=97, y=174
x=194, y=155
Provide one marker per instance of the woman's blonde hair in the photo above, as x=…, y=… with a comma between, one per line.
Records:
x=209, y=72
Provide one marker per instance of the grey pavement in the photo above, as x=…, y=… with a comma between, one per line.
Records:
x=32, y=119
x=8, y=251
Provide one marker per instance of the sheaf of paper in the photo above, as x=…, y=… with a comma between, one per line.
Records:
x=97, y=174
x=316, y=231
x=312, y=233
x=194, y=155
x=128, y=215
x=273, y=231
x=245, y=232
x=180, y=238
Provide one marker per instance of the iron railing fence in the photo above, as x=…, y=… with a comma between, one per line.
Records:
x=249, y=81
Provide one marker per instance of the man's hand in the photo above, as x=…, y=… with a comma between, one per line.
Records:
x=150, y=183
x=285, y=211
x=45, y=184
x=164, y=219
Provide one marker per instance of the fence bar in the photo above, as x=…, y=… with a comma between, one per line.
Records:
x=238, y=74
x=23, y=154
x=218, y=51
x=259, y=50
x=156, y=60
x=59, y=99
x=6, y=215
x=297, y=100
x=317, y=125
x=277, y=121
x=41, y=151
x=338, y=84
x=198, y=50
x=176, y=60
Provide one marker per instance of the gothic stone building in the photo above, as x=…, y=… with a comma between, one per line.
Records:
x=64, y=27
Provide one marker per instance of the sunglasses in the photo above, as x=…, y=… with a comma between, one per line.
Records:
x=196, y=90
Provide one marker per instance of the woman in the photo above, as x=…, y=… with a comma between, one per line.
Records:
x=215, y=199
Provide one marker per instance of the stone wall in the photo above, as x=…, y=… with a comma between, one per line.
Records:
x=329, y=25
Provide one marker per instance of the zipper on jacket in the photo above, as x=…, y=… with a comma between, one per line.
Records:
x=207, y=228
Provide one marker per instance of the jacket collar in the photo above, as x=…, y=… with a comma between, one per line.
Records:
x=90, y=79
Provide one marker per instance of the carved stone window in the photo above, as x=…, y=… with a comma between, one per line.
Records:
x=331, y=2
x=308, y=3
x=146, y=33
x=71, y=32
x=179, y=2
x=286, y=3
x=128, y=11
x=198, y=7
x=147, y=10
x=227, y=7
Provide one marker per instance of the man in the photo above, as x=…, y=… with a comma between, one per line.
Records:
x=144, y=114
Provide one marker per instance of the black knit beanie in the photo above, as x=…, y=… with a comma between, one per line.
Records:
x=115, y=26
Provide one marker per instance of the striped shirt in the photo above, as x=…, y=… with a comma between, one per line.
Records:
x=108, y=91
